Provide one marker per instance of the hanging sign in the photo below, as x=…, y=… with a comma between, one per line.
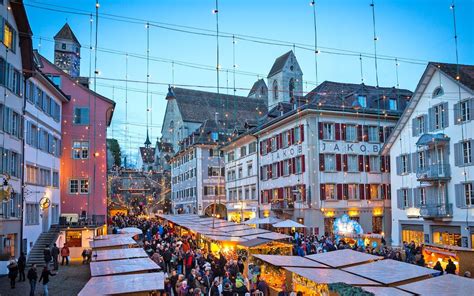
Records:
x=44, y=203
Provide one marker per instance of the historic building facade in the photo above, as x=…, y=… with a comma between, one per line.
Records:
x=431, y=155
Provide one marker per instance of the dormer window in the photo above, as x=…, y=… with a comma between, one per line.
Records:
x=275, y=90
x=362, y=101
x=392, y=104
x=63, y=45
x=439, y=91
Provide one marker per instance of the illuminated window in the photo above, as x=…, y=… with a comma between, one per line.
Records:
x=374, y=191
x=330, y=191
x=80, y=149
x=9, y=36
x=74, y=239
x=353, y=191
x=78, y=186
x=362, y=101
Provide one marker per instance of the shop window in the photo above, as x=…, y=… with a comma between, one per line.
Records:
x=447, y=238
x=74, y=239
x=413, y=235
x=328, y=226
x=377, y=224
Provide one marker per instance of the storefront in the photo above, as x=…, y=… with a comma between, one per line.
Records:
x=78, y=239
x=463, y=258
x=413, y=232
x=446, y=235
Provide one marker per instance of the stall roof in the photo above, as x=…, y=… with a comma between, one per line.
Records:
x=386, y=291
x=448, y=247
x=237, y=227
x=290, y=261
x=247, y=232
x=269, y=236
x=330, y=276
x=124, y=284
x=113, y=236
x=341, y=258
x=113, y=242
x=131, y=230
x=226, y=238
x=254, y=242
x=117, y=254
x=445, y=285
x=135, y=265
x=391, y=271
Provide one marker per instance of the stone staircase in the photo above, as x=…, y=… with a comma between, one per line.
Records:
x=46, y=238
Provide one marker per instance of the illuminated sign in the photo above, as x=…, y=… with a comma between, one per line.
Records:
x=344, y=147
x=44, y=203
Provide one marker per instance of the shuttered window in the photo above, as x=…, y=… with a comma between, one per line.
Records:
x=463, y=111
x=404, y=198
x=439, y=117
x=464, y=194
x=463, y=153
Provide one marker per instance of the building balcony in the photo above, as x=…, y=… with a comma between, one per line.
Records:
x=284, y=204
x=437, y=211
x=434, y=172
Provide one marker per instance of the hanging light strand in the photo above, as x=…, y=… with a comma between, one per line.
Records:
x=375, y=44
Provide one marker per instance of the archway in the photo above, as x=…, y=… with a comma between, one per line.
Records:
x=220, y=210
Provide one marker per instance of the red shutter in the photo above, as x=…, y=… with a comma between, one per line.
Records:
x=381, y=138
x=367, y=163
x=293, y=163
x=359, y=133
x=365, y=135
x=261, y=149
x=389, y=192
x=303, y=166
x=339, y=191
x=343, y=132
x=367, y=191
x=361, y=163
x=387, y=163
x=344, y=162
x=384, y=189
x=345, y=191
x=290, y=166
x=320, y=129
x=270, y=171
x=382, y=163
x=322, y=191
x=278, y=170
x=280, y=193
x=277, y=141
x=270, y=195
x=338, y=131
x=361, y=191
x=280, y=164
x=321, y=162
x=292, y=136
x=261, y=196
x=261, y=173
x=269, y=145
x=301, y=133
x=338, y=162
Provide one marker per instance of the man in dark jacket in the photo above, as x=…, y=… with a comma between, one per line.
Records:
x=45, y=278
x=21, y=267
x=12, y=272
x=262, y=286
x=451, y=267
x=47, y=255
x=33, y=278
x=55, y=254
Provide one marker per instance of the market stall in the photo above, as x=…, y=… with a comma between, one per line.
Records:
x=118, y=254
x=463, y=258
x=386, y=291
x=126, y=266
x=444, y=285
x=119, y=242
x=343, y=258
x=391, y=272
x=129, y=284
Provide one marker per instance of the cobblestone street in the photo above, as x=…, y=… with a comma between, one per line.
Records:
x=68, y=282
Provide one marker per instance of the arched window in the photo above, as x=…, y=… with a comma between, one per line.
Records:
x=439, y=91
x=291, y=87
x=275, y=90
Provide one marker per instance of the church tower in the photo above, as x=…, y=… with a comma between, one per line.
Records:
x=285, y=80
x=67, y=51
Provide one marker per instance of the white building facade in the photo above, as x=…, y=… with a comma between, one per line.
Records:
x=431, y=153
x=42, y=134
x=241, y=167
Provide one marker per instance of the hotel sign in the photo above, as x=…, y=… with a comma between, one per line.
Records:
x=349, y=148
x=283, y=154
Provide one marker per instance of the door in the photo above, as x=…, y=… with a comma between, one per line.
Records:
x=440, y=161
x=45, y=220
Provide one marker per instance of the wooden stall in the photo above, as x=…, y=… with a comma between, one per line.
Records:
x=343, y=258
x=463, y=258
x=442, y=285
x=118, y=254
x=119, y=242
x=126, y=266
x=129, y=284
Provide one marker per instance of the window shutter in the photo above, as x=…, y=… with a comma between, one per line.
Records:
x=280, y=193
x=345, y=191
x=387, y=164
x=261, y=148
x=410, y=197
x=445, y=114
x=343, y=132
x=471, y=109
x=365, y=136
x=28, y=132
x=361, y=191
x=361, y=163
x=414, y=127
x=292, y=136
x=417, y=197
x=367, y=191
x=321, y=162
x=293, y=164
x=338, y=162
x=472, y=150
x=457, y=154
x=457, y=113
x=460, y=196
x=344, y=163
x=399, y=165
x=414, y=159
x=337, y=126
x=359, y=133
x=302, y=164
x=301, y=133
x=382, y=164
x=409, y=167
x=367, y=163
x=381, y=135
x=400, y=199
x=320, y=130
x=278, y=172
x=431, y=119
x=339, y=191
x=322, y=191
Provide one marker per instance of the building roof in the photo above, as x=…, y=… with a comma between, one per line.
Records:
x=256, y=87
x=66, y=33
x=25, y=36
x=279, y=63
x=199, y=106
x=147, y=154
x=466, y=73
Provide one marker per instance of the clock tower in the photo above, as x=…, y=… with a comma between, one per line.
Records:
x=67, y=51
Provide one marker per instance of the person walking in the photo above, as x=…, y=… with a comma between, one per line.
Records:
x=45, y=278
x=21, y=267
x=55, y=255
x=65, y=254
x=33, y=278
x=12, y=271
x=47, y=255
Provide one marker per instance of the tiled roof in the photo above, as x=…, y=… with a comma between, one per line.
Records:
x=66, y=33
x=279, y=64
x=257, y=86
x=199, y=106
x=147, y=154
x=164, y=147
x=466, y=72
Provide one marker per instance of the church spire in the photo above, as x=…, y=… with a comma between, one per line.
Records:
x=147, y=141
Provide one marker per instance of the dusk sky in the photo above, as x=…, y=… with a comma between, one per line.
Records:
x=417, y=30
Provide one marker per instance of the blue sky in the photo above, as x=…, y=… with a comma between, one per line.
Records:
x=416, y=29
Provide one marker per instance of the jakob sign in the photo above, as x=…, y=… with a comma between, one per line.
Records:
x=283, y=154
x=349, y=148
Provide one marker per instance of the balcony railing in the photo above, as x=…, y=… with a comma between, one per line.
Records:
x=282, y=205
x=433, y=172
x=434, y=211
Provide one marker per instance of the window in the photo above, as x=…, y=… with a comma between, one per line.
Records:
x=249, y=169
x=423, y=196
x=80, y=149
x=468, y=194
x=373, y=134
x=353, y=191
x=299, y=164
x=231, y=156
x=466, y=152
x=438, y=92
x=362, y=101
x=465, y=111
x=15, y=164
x=63, y=45
x=56, y=79
x=439, y=117
x=79, y=186
x=81, y=115
x=374, y=163
x=240, y=172
x=421, y=124
x=274, y=170
x=297, y=131
x=421, y=160
x=405, y=198
x=330, y=191
x=392, y=104
x=56, y=179
x=273, y=144
x=351, y=133
x=215, y=171
x=253, y=192
x=291, y=87
x=286, y=167
x=284, y=139
x=404, y=164
x=243, y=151
x=328, y=131
x=32, y=214
x=374, y=191
x=31, y=174
x=330, y=162
x=215, y=152
x=252, y=147
x=9, y=36
x=275, y=90
x=74, y=238
x=352, y=163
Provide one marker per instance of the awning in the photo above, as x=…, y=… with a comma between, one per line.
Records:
x=288, y=224
x=268, y=220
x=124, y=284
x=431, y=139
x=131, y=230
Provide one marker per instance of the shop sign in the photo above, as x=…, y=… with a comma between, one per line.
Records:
x=283, y=154
x=350, y=148
x=44, y=203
